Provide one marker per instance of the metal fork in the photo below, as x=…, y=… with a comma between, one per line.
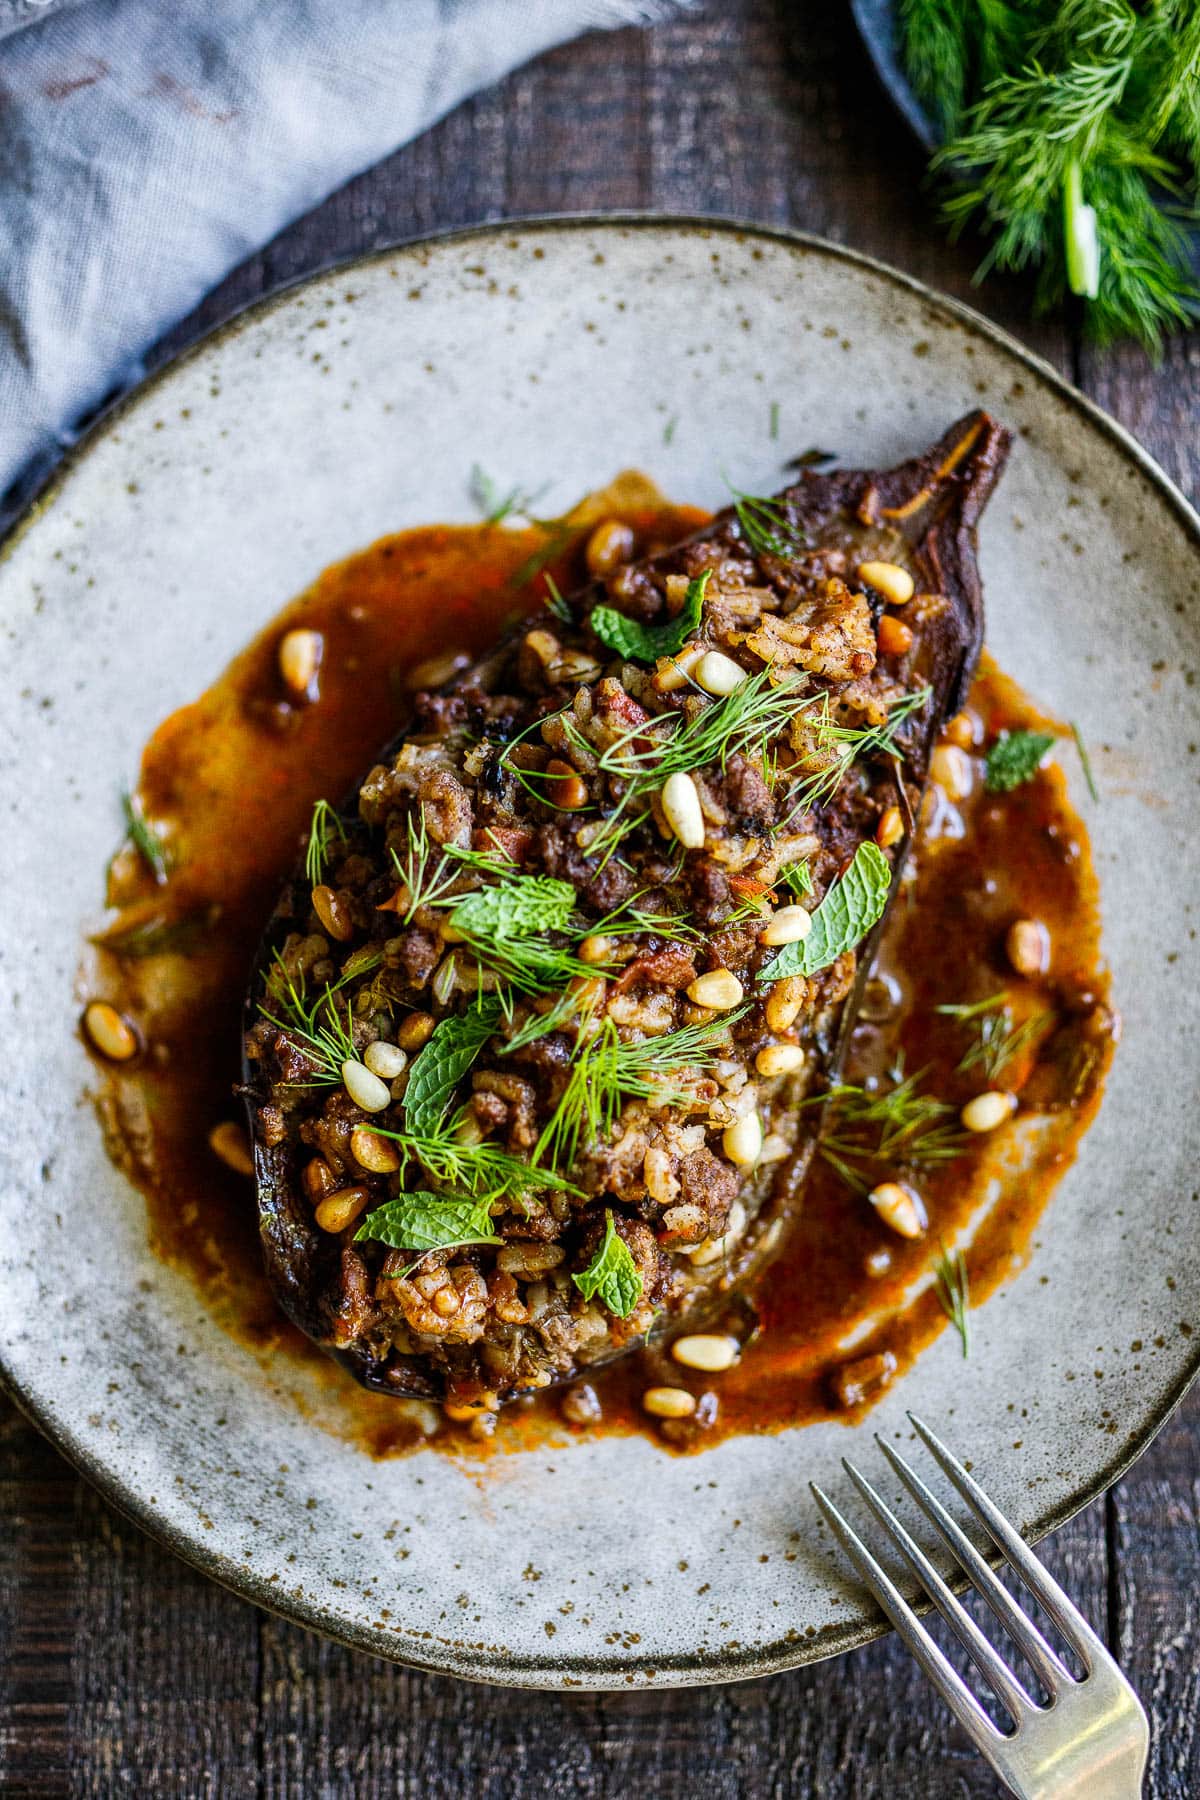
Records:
x=1090, y=1739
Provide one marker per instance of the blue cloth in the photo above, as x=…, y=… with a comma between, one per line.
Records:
x=148, y=146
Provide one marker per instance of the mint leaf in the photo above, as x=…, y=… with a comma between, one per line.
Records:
x=522, y=905
x=442, y=1064
x=424, y=1221
x=612, y=1274
x=798, y=879
x=646, y=643
x=1015, y=757
x=854, y=904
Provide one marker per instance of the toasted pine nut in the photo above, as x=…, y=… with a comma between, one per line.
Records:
x=445, y=978
x=681, y=808
x=435, y=671
x=775, y=1149
x=720, y=989
x=960, y=730
x=986, y=1111
x=300, y=655
x=610, y=545
x=1028, y=946
x=111, y=1034
x=900, y=1208
x=463, y=1411
x=779, y=1059
x=341, y=1209
x=596, y=949
x=575, y=665
x=366, y=1090
x=318, y=1179
x=385, y=1060
x=544, y=644
x=787, y=926
x=669, y=1402
x=333, y=913
x=890, y=828
x=889, y=579
x=469, y=1131
x=743, y=1141
x=565, y=788
x=784, y=1001
x=706, y=1351
x=415, y=1031
x=951, y=768
x=373, y=1152
x=228, y=1141
x=718, y=674
x=894, y=636
x=673, y=672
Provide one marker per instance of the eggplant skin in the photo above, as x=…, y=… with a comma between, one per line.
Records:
x=795, y=595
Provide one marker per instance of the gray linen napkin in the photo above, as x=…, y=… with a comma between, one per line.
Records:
x=147, y=148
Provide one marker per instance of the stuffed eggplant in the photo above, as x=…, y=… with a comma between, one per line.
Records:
x=528, y=1039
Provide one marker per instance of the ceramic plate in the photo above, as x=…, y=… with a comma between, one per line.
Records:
x=353, y=405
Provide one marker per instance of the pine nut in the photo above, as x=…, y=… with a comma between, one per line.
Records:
x=566, y=788
x=415, y=1031
x=596, y=949
x=779, y=1059
x=894, y=636
x=341, y=1209
x=333, y=913
x=718, y=674
x=711, y=1353
x=1028, y=946
x=719, y=989
x=681, y=808
x=960, y=730
x=900, y=1208
x=787, y=926
x=742, y=1142
x=463, y=1411
x=373, y=1152
x=775, y=1149
x=544, y=644
x=228, y=1141
x=445, y=978
x=986, y=1111
x=318, y=1179
x=300, y=655
x=385, y=1060
x=366, y=1090
x=111, y=1034
x=784, y=1001
x=610, y=545
x=951, y=769
x=889, y=579
x=890, y=828
x=669, y=1402
x=435, y=671
x=575, y=665
x=674, y=672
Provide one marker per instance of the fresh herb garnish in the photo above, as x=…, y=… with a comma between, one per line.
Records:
x=442, y=1063
x=853, y=906
x=953, y=1289
x=997, y=1040
x=612, y=1273
x=1085, y=762
x=496, y=505
x=315, y=1025
x=519, y=906
x=325, y=823
x=424, y=1221
x=1015, y=757
x=555, y=603
x=144, y=839
x=646, y=643
x=866, y=1132
x=798, y=879
x=157, y=935
x=774, y=425
x=766, y=527
x=832, y=746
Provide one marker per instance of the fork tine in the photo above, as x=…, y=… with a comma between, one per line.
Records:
x=912, y=1633
x=1066, y=1615
x=985, y=1655
x=1039, y=1654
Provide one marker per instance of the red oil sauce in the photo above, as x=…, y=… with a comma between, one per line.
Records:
x=228, y=786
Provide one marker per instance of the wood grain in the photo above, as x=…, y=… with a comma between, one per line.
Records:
x=122, y=1671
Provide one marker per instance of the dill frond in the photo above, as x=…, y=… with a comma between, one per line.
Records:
x=952, y=1285
x=325, y=823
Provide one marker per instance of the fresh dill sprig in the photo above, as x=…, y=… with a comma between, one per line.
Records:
x=555, y=602
x=865, y=1131
x=325, y=823
x=766, y=527
x=797, y=879
x=144, y=839
x=607, y=1072
x=315, y=1025
x=997, y=1041
x=952, y=1285
x=481, y=1169
x=496, y=505
x=1085, y=762
x=833, y=747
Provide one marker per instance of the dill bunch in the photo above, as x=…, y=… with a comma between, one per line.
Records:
x=1071, y=139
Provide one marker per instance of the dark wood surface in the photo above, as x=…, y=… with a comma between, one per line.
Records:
x=121, y=1670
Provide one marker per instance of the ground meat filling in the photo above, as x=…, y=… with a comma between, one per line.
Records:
x=606, y=1157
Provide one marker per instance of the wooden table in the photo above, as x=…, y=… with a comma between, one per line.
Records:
x=122, y=1671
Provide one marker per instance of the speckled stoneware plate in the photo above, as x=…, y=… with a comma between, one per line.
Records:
x=217, y=492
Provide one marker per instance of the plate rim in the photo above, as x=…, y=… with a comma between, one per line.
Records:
x=551, y=1673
